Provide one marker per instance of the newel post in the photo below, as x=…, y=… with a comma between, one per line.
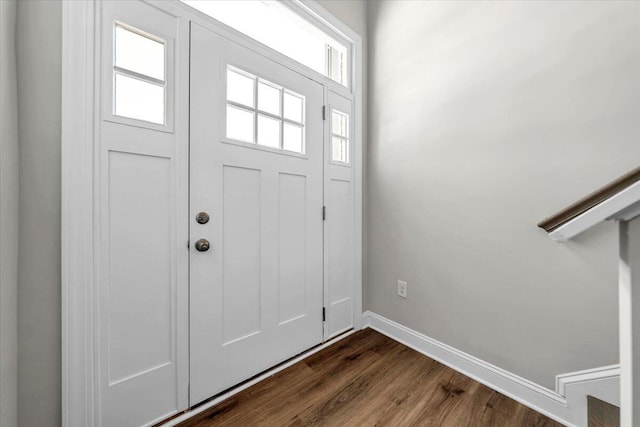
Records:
x=629, y=315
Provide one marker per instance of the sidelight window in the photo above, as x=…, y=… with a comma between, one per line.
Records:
x=339, y=136
x=139, y=75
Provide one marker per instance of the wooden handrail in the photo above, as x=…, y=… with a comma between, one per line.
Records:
x=581, y=206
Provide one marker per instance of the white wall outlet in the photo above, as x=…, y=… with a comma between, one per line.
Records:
x=402, y=289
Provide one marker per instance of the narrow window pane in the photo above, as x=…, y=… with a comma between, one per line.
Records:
x=138, y=53
x=293, y=107
x=240, y=88
x=268, y=131
x=239, y=124
x=336, y=66
x=292, y=138
x=268, y=98
x=276, y=25
x=339, y=149
x=138, y=99
x=340, y=124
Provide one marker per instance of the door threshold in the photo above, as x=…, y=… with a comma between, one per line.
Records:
x=203, y=406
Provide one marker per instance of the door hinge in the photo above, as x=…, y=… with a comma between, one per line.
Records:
x=324, y=314
x=324, y=112
x=324, y=213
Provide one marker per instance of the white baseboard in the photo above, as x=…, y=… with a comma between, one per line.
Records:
x=567, y=406
x=569, y=409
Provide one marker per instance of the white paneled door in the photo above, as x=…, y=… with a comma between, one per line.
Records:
x=256, y=202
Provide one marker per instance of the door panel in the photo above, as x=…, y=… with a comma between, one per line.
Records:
x=256, y=294
x=241, y=253
x=292, y=216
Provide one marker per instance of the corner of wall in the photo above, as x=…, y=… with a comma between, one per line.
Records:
x=8, y=216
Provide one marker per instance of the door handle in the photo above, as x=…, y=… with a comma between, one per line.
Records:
x=202, y=245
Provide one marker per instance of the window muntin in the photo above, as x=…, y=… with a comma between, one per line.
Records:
x=263, y=113
x=274, y=24
x=139, y=75
x=339, y=136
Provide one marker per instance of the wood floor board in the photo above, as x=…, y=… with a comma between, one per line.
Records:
x=368, y=379
x=602, y=414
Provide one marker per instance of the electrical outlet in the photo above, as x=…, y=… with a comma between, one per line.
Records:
x=402, y=289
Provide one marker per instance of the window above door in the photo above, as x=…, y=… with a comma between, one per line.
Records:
x=276, y=25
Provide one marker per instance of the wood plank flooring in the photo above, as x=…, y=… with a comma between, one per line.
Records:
x=368, y=379
x=602, y=414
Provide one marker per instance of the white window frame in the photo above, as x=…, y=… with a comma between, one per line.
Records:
x=257, y=80
x=109, y=69
x=346, y=139
x=81, y=96
x=117, y=70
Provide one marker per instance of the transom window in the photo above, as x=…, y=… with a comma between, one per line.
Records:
x=339, y=136
x=263, y=113
x=139, y=76
x=276, y=25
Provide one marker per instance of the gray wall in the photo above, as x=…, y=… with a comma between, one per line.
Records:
x=8, y=215
x=353, y=13
x=486, y=117
x=39, y=85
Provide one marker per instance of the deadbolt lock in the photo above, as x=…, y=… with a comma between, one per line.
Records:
x=202, y=218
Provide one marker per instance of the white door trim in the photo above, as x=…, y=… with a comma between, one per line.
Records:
x=78, y=117
x=80, y=92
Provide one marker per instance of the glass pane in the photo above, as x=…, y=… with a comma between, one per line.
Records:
x=277, y=26
x=239, y=124
x=292, y=138
x=293, y=107
x=336, y=64
x=268, y=131
x=240, y=88
x=138, y=53
x=138, y=99
x=339, y=124
x=339, y=149
x=268, y=98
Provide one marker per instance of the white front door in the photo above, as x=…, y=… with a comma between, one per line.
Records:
x=256, y=264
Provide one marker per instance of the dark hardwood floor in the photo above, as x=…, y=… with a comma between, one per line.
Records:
x=602, y=414
x=368, y=379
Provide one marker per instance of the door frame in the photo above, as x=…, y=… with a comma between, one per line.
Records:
x=81, y=100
